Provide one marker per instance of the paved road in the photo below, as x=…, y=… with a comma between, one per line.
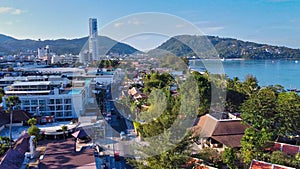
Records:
x=112, y=142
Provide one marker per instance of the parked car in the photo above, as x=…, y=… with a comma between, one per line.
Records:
x=123, y=135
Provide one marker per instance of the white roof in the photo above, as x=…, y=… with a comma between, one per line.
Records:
x=10, y=78
x=32, y=83
x=27, y=92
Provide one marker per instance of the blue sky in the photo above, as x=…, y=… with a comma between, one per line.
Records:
x=265, y=21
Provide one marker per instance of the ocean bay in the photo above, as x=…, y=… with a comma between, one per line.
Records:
x=268, y=72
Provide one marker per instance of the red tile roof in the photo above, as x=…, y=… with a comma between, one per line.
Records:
x=264, y=165
x=290, y=149
x=286, y=148
x=260, y=165
x=276, y=147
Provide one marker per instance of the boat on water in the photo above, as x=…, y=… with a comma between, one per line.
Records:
x=294, y=90
x=223, y=59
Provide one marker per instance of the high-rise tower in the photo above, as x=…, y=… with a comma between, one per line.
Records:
x=93, y=36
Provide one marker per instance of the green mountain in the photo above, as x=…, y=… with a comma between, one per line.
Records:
x=9, y=45
x=212, y=46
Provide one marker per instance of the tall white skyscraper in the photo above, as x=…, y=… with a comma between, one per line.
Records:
x=93, y=36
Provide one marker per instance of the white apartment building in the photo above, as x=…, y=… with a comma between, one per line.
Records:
x=47, y=98
x=63, y=59
x=9, y=80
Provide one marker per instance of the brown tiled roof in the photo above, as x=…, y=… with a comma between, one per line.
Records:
x=230, y=127
x=61, y=154
x=229, y=140
x=14, y=158
x=18, y=115
x=264, y=165
x=4, y=119
x=227, y=132
x=205, y=126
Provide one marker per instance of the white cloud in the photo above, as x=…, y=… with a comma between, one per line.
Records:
x=10, y=10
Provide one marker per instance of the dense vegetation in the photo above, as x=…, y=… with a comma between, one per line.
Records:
x=211, y=46
x=272, y=113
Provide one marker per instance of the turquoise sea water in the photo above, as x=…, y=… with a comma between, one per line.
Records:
x=268, y=72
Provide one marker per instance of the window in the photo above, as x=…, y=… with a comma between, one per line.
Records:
x=26, y=102
x=51, y=101
x=42, y=108
x=33, y=102
x=42, y=102
x=68, y=113
x=58, y=107
x=59, y=114
x=52, y=108
x=67, y=101
x=58, y=101
x=68, y=107
x=27, y=109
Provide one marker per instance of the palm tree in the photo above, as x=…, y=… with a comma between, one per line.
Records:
x=32, y=121
x=64, y=129
x=11, y=104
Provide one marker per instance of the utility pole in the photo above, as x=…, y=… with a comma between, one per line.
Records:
x=10, y=127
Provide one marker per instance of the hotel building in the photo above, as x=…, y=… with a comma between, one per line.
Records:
x=47, y=98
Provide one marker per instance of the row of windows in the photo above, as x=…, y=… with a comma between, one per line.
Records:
x=51, y=108
x=44, y=102
x=59, y=114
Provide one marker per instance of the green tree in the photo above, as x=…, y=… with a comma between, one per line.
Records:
x=260, y=109
x=210, y=155
x=254, y=143
x=277, y=157
x=229, y=158
x=288, y=114
x=172, y=158
x=34, y=131
x=235, y=95
x=250, y=85
x=158, y=104
x=1, y=95
x=32, y=121
x=64, y=128
x=204, y=88
x=12, y=103
x=4, y=144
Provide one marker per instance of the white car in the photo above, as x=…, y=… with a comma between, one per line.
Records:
x=123, y=135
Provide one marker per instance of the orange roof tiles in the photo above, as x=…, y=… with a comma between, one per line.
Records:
x=264, y=165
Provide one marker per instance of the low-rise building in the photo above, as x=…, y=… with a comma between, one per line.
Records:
x=47, y=98
x=219, y=130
